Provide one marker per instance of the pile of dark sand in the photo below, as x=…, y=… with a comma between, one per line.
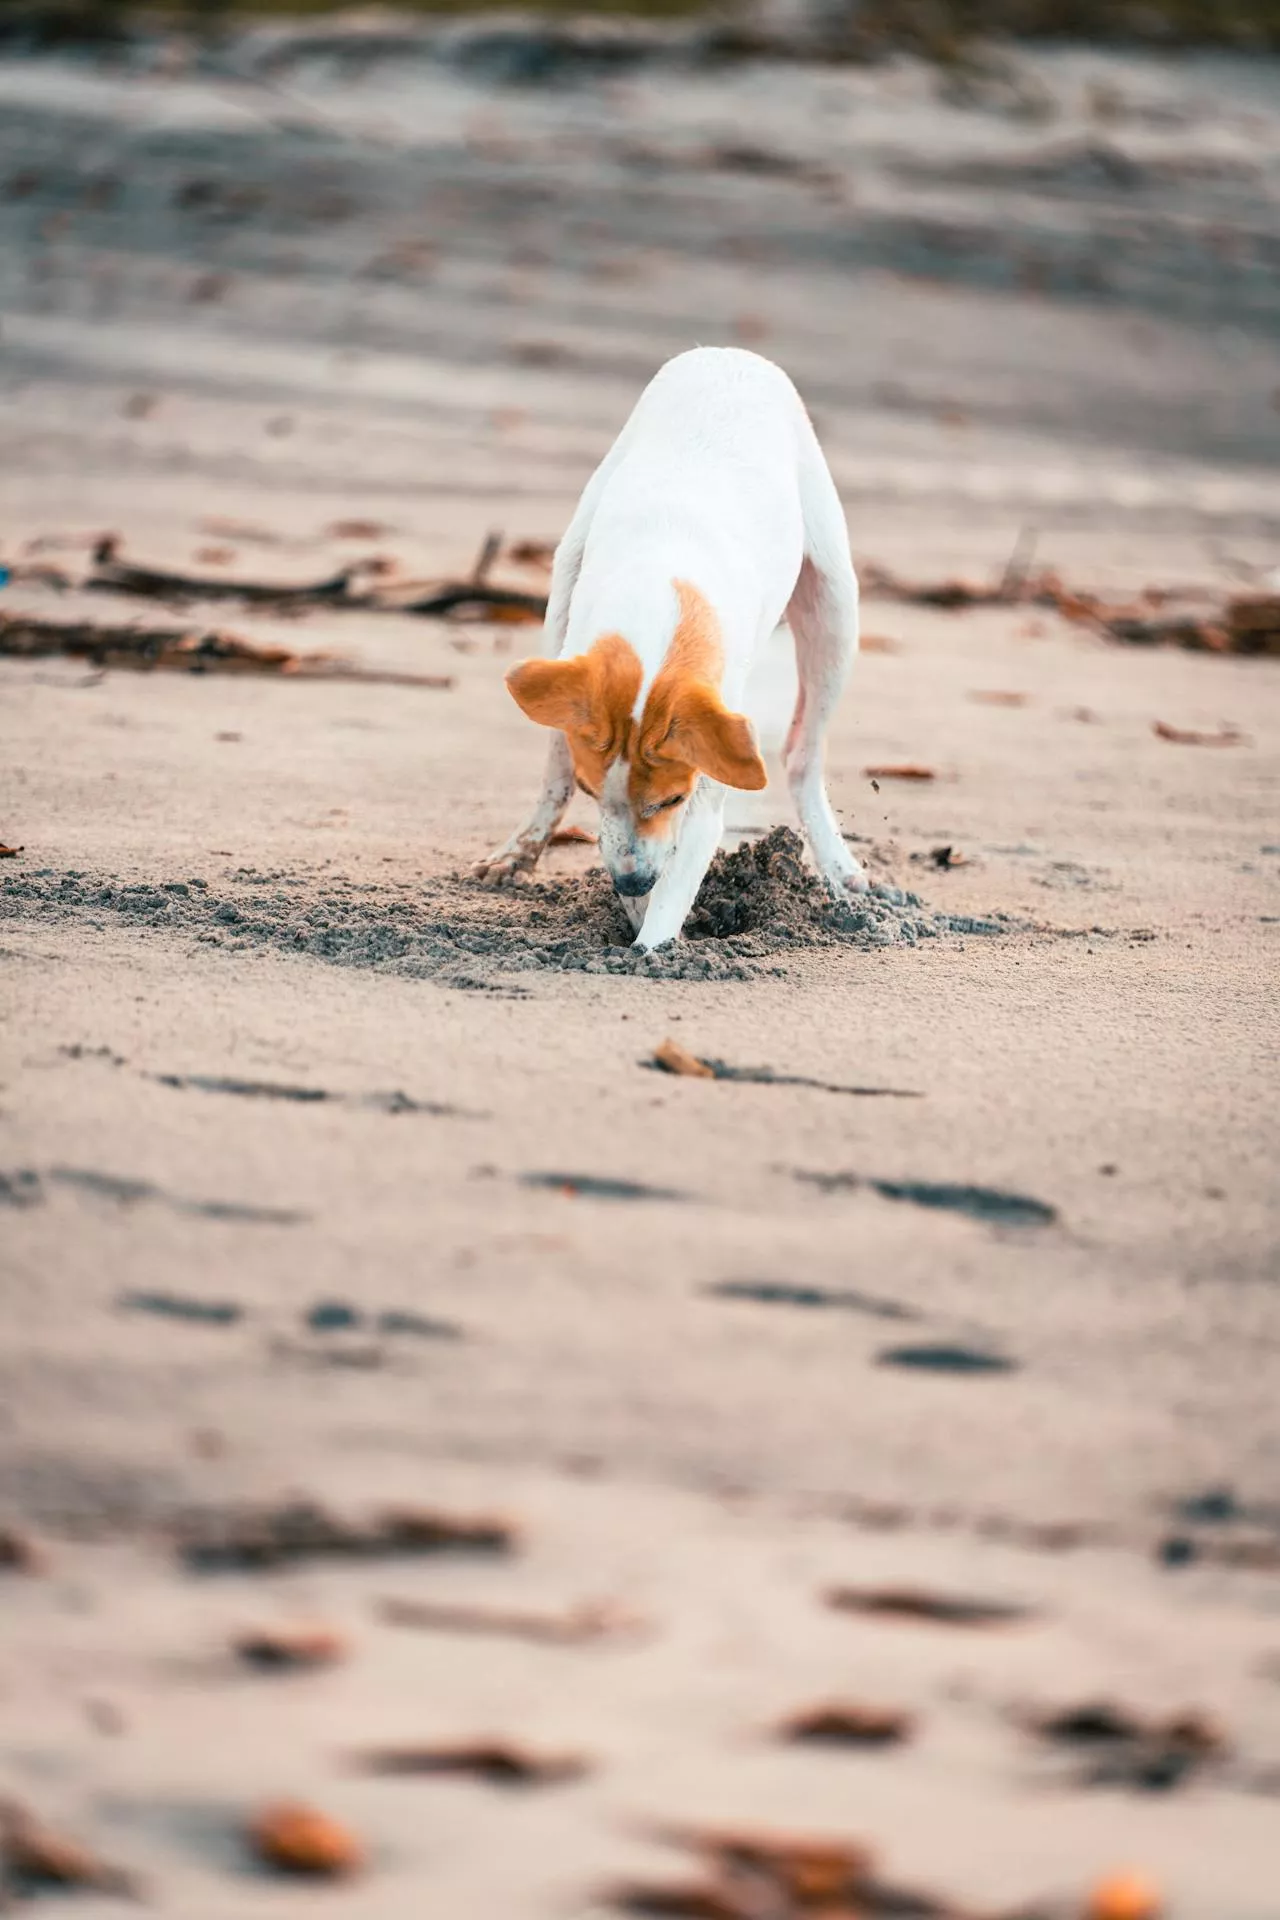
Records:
x=757, y=904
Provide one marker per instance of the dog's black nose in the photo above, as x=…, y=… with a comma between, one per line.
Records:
x=633, y=884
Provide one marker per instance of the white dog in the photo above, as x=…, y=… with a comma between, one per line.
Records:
x=712, y=517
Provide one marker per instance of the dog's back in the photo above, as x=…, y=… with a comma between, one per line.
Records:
x=702, y=484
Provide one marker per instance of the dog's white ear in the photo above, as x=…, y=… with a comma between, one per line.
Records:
x=555, y=693
x=719, y=743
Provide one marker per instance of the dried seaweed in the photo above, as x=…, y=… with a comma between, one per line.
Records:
x=184, y=650
x=1124, y=1748
x=748, y=1875
x=1155, y=616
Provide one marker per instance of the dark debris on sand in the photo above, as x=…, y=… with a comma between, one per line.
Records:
x=757, y=905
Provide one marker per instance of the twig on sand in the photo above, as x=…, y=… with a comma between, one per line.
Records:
x=490, y=548
x=671, y=1057
x=111, y=574
x=351, y=588
x=1018, y=564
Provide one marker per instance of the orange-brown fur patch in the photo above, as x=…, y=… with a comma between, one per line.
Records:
x=684, y=730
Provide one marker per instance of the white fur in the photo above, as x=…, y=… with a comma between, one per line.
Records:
x=716, y=479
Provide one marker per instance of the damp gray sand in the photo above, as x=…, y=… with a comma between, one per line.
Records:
x=758, y=905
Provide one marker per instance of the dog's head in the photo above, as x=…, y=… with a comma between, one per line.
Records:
x=643, y=769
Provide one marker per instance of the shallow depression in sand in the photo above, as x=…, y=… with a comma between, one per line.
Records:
x=757, y=904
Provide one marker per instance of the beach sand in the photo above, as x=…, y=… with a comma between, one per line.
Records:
x=267, y=1050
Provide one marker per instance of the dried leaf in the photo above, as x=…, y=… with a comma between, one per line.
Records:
x=34, y=1856
x=597, y=1186
x=297, y=1839
x=1125, y=1896
x=500, y=1762
x=752, y=1874
x=19, y=1553
x=878, y=643
x=573, y=837
x=10, y=853
x=849, y=1725
x=994, y=697
x=1253, y=621
x=532, y=553
x=671, y=1057
x=283, y=1648
x=248, y=1539
x=946, y=1357
x=1226, y=736
x=906, y=771
x=935, y=1609
x=813, y=1871
x=683, y=1899
x=592, y=1621
x=1130, y=1750
x=358, y=530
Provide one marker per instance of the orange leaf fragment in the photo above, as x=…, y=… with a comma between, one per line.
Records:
x=1125, y=1896
x=291, y=1647
x=906, y=771
x=1189, y=737
x=849, y=1725
x=673, y=1058
x=297, y=1839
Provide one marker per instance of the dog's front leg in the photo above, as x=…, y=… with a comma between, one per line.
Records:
x=669, y=903
x=516, y=860
x=633, y=908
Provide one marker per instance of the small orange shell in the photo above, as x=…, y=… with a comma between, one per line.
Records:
x=1125, y=1896
x=298, y=1839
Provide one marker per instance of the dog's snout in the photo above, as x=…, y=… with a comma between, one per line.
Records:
x=634, y=884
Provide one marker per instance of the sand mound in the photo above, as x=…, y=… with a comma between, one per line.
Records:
x=757, y=905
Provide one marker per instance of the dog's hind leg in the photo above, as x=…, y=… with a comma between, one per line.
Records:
x=823, y=617
x=516, y=860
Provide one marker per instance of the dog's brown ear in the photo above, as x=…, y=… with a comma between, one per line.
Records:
x=591, y=693
x=555, y=693
x=719, y=743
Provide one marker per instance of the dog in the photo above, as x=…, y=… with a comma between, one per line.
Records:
x=712, y=517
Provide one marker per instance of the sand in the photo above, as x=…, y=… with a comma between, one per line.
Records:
x=328, y=1174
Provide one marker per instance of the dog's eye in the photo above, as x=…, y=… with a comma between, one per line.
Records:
x=673, y=800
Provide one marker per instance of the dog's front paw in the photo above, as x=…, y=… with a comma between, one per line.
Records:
x=509, y=867
x=856, y=882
